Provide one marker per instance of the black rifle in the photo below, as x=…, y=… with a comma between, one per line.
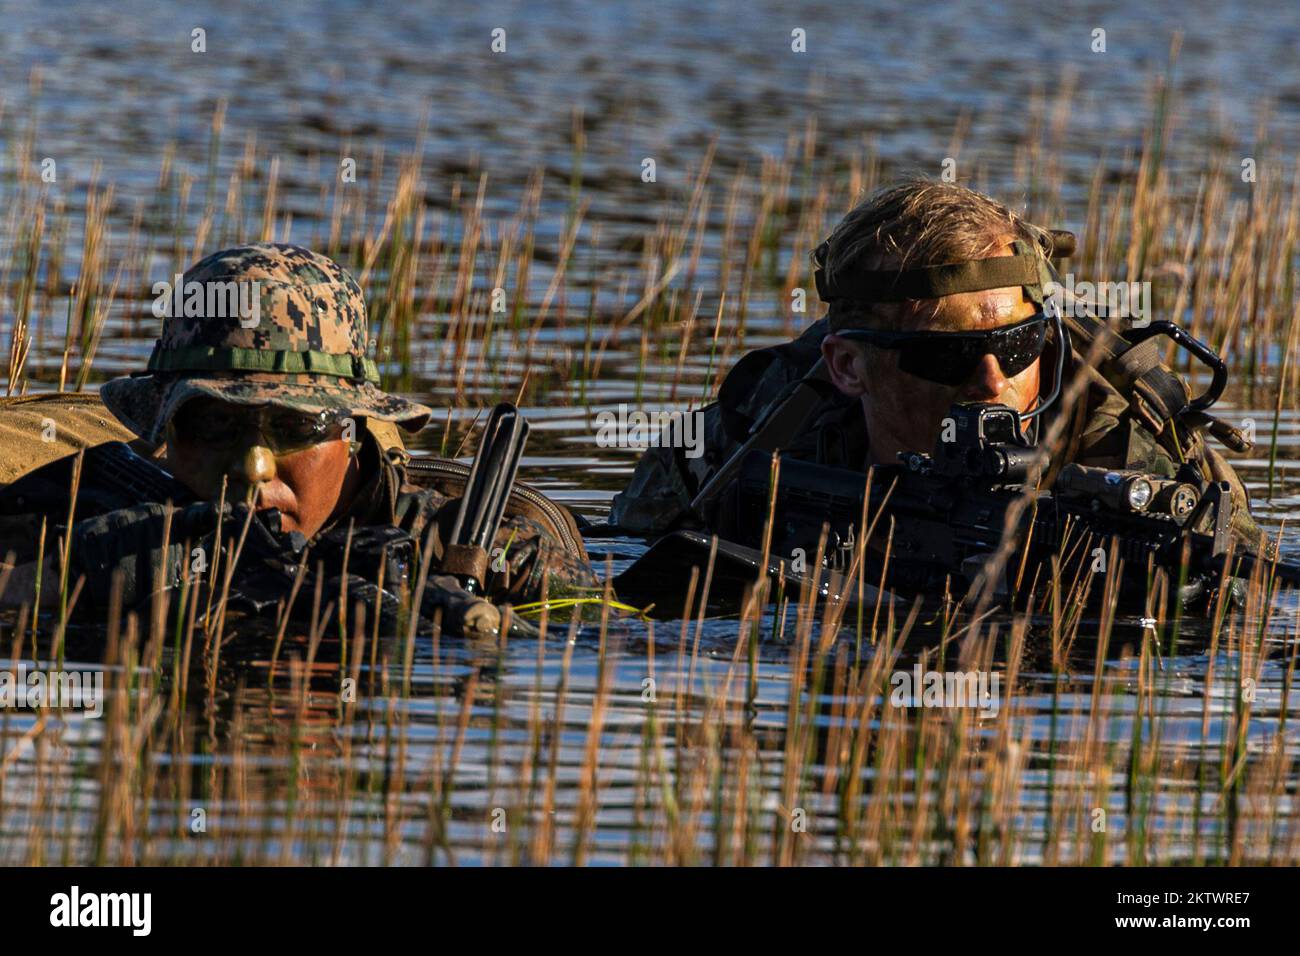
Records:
x=483, y=504
x=946, y=515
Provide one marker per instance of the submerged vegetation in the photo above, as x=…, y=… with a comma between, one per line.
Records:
x=771, y=737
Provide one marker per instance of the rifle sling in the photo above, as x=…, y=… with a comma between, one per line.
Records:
x=1155, y=394
x=774, y=431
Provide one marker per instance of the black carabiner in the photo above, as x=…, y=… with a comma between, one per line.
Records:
x=1203, y=352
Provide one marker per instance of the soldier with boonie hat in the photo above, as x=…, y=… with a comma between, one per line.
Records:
x=279, y=407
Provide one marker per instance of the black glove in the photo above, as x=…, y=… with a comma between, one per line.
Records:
x=1200, y=594
x=366, y=550
x=269, y=558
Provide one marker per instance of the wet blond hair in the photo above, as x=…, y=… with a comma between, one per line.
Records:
x=911, y=225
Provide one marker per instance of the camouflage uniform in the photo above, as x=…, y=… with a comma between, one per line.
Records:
x=1103, y=433
x=308, y=352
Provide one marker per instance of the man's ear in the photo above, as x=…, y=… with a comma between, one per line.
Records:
x=845, y=364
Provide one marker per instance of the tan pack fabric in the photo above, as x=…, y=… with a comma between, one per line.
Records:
x=75, y=420
x=388, y=434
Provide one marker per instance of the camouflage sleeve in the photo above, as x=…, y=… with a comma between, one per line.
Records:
x=656, y=497
x=524, y=554
x=665, y=481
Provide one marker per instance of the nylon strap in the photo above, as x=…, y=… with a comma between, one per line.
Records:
x=934, y=282
x=931, y=282
x=770, y=433
x=203, y=358
x=1024, y=268
x=1156, y=395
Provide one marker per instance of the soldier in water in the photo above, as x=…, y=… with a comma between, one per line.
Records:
x=274, y=410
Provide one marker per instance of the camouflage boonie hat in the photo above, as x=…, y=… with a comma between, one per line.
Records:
x=305, y=351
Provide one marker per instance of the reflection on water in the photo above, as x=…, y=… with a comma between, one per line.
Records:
x=523, y=753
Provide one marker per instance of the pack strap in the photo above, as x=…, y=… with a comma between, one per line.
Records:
x=1156, y=395
x=785, y=419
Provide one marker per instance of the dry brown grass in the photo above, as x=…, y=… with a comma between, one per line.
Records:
x=289, y=768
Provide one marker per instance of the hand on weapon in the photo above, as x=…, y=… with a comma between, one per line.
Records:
x=468, y=614
x=958, y=516
x=355, y=562
x=127, y=546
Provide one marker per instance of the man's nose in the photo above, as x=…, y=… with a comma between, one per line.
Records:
x=987, y=383
x=253, y=467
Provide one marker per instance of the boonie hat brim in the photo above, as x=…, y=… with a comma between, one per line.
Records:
x=146, y=403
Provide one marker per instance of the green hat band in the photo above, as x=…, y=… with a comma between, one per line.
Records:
x=203, y=358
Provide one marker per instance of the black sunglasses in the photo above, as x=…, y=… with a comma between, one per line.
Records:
x=220, y=425
x=951, y=358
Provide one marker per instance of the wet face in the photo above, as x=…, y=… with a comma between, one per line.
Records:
x=904, y=412
x=208, y=440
